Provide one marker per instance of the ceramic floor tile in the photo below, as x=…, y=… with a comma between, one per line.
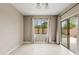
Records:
x=41, y=49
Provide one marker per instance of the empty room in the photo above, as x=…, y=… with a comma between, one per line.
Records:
x=39, y=28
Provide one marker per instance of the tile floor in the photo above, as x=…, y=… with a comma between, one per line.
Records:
x=41, y=49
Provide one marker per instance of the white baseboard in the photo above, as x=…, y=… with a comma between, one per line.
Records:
x=12, y=50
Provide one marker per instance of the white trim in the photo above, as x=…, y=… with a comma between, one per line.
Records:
x=12, y=50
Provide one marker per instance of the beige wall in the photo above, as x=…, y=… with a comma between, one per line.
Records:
x=11, y=28
x=28, y=27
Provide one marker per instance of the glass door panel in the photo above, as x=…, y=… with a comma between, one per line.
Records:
x=64, y=31
x=73, y=30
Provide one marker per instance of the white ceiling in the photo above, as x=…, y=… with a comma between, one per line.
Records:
x=30, y=8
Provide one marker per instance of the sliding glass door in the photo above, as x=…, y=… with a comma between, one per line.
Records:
x=64, y=31
x=69, y=33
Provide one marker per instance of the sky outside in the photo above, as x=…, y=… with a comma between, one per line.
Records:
x=39, y=21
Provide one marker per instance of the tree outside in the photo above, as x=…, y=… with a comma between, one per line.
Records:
x=43, y=26
x=72, y=27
